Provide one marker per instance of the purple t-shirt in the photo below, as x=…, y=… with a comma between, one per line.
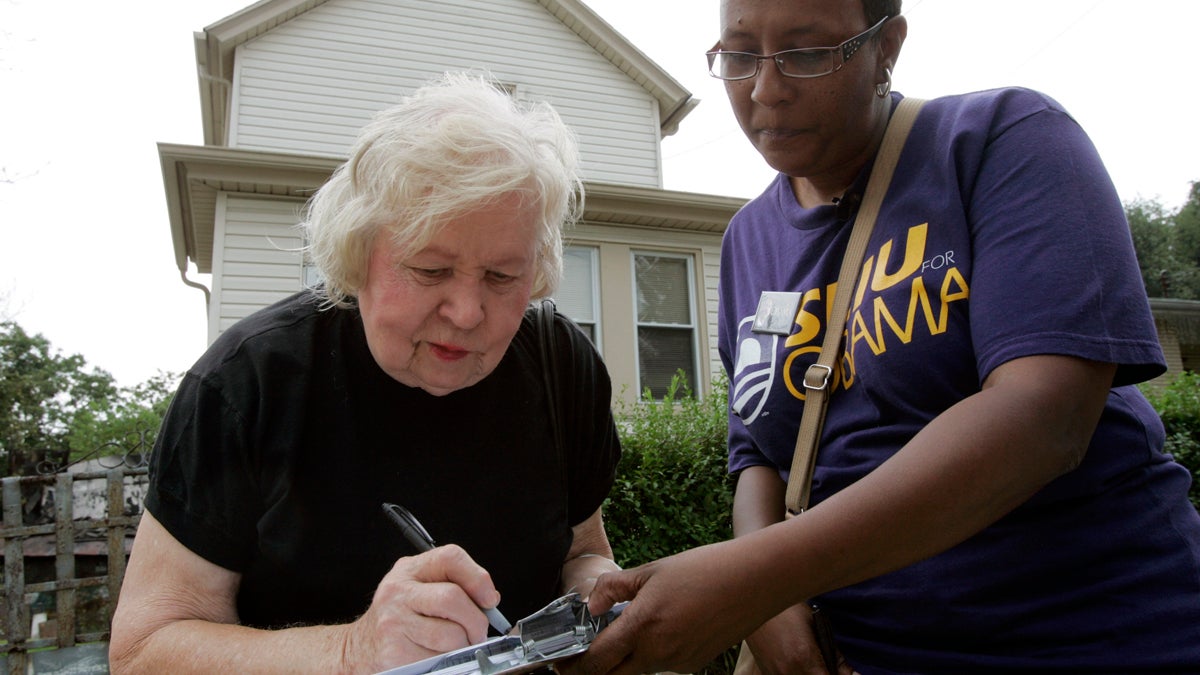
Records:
x=1001, y=236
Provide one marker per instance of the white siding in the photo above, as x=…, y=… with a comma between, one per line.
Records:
x=308, y=85
x=257, y=259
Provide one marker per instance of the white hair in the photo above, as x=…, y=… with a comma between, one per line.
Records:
x=454, y=145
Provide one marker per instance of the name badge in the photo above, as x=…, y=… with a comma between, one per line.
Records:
x=776, y=313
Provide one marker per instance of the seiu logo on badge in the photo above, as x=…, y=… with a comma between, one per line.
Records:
x=753, y=371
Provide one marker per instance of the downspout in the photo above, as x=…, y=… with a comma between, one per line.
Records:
x=194, y=284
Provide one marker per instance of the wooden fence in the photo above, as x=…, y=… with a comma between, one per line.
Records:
x=78, y=643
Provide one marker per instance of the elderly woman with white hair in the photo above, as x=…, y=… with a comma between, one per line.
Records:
x=415, y=374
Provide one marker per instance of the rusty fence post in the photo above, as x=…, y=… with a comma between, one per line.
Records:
x=16, y=618
x=64, y=559
x=116, y=536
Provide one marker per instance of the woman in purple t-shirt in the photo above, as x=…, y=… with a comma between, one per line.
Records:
x=991, y=493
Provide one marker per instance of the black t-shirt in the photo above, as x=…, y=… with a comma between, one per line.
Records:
x=285, y=438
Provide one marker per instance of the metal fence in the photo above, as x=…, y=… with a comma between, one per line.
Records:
x=80, y=592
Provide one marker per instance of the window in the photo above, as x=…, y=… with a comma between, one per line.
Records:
x=578, y=295
x=310, y=276
x=666, y=330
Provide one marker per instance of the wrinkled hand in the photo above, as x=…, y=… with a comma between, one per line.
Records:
x=786, y=645
x=580, y=573
x=583, y=588
x=427, y=604
x=685, y=610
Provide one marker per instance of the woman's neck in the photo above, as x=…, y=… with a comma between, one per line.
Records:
x=829, y=187
x=810, y=193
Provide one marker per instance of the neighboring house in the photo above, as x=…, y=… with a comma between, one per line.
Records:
x=286, y=84
x=1178, y=324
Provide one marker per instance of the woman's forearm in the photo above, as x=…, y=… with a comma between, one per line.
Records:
x=195, y=646
x=969, y=467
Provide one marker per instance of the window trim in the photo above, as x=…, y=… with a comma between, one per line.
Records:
x=597, y=313
x=693, y=326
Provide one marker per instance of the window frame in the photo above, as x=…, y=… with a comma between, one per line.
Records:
x=597, y=315
x=693, y=325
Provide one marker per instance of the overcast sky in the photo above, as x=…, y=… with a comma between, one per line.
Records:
x=90, y=87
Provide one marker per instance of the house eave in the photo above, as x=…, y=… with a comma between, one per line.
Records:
x=674, y=101
x=215, y=47
x=655, y=208
x=193, y=176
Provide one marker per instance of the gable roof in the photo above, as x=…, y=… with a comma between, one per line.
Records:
x=215, y=47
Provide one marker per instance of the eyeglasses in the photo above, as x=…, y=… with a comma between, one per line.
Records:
x=810, y=62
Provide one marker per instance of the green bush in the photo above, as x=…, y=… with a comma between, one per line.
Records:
x=672, y=491
x=1178, y=404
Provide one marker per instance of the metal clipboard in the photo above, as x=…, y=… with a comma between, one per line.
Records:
x=559, y=630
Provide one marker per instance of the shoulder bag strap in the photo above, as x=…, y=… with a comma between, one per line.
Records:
x=547, y=345
x=819, y=375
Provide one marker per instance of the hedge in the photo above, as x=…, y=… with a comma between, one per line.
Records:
x=673, y=493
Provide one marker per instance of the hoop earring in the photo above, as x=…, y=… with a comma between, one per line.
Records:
x=884, y=88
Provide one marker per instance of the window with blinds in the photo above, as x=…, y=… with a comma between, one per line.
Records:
x=666, y=324
x=578, y=296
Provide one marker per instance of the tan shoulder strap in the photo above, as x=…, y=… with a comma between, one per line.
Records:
x=819, y=376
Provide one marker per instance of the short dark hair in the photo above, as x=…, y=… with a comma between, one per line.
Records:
x=877, y=9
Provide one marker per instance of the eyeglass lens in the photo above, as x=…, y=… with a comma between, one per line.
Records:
x=794, y=63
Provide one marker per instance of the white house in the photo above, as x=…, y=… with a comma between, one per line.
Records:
x=286, y=84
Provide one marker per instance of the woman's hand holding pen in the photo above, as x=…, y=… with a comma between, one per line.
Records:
x=425, y=605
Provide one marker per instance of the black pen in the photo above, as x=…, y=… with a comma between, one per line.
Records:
x=416, y=535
